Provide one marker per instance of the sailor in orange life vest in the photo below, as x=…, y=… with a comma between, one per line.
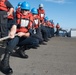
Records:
x=18, y=9
x=4, y=13
x=52, y=28
x=19, y=6
x=41, y=13
x=48, y=26
x=22, y=29
x=57, y=29
x=36, y=26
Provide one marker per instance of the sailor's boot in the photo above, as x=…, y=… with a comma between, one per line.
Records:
x=21, y=52
x=4, y=66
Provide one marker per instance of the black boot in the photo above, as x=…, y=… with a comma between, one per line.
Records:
x=21, y=52
x=4, y=44
x=33, y=46
x=42, y=43
x=4, y=65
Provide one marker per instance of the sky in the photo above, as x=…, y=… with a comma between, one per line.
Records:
x=60, y=11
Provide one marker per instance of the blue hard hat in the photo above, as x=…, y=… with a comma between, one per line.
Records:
x=16, y=7
x=46, y=18
x=41, y=5
x=51, y=21
x=19, y=4
x=25, y=6
x=34, y=11
x=57, y=23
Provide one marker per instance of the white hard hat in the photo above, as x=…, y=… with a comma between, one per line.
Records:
x=41, y=5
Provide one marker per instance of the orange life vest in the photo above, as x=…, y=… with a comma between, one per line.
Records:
x=41, y=13
x=3, y=7
x=27, y=19
x=18, y=11
x=57, y=26
x=11, y=17
x=35, y=21
x=48, y=24
x=52, y=25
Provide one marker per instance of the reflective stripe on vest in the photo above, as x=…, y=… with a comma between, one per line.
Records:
x=36, y=21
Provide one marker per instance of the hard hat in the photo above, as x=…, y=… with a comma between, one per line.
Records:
x=16, y=7
x=51, y=20
x=19, y=4
x=57, y=23
x=41, y=5
x=46, y=18
x=25, y=6
x=34, y=11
